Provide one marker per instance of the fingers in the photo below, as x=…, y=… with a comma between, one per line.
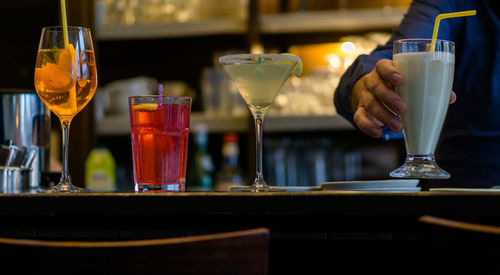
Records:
x=453, y=97
x=366, y=123
x=384, y=93
x=385, y=68
x=377, y=102
x=380, y=112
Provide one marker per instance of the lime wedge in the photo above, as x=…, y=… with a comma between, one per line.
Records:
x=297, y=71
x=145, y=107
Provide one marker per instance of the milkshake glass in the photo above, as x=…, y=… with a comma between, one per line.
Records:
x=426, y=91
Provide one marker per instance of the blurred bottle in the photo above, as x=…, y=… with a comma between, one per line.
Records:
x=100, y=170
x=203, y=167
x=230, y=174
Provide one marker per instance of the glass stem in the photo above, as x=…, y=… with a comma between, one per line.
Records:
x=65, y=151
x=259, y=177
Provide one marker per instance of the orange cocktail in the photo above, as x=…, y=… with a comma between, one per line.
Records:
x=159, y=133
x=65, y=80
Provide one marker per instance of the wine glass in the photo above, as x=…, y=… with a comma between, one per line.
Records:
x=65, y=80
x=259, y=78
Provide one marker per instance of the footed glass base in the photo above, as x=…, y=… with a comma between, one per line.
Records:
x=63, y=187
x=256, y=189
x=258, y=186
x=158, y=188
x=420, y=167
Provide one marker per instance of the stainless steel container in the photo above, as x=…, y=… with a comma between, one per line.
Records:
x=25, y=121
x=14, y=180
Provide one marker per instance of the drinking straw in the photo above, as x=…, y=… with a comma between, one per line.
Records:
x=160, y=94
x=444, y=16
x=64, y=23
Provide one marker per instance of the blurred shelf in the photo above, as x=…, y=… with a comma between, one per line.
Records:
x=117, y=125
x=172, y=29
x=220, y=123
x=305, y=123
x=332, y=20
x=293, y=22
x=113, y=125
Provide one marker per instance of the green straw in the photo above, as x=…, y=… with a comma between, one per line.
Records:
x=64, y=23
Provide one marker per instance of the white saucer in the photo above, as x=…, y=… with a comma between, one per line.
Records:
x=373, y=185
x=301, y=188
x=465, y=190
x=414, y=189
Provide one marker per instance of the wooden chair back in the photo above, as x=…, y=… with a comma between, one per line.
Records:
x=459, y=246
x=238, y=252
x=460, y=225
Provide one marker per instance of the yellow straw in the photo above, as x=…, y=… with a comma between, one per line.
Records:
x=64, y=23
x=444, y=16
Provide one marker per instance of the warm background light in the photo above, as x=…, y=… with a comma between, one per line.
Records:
x=334, y=57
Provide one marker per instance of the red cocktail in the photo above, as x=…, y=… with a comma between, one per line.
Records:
x=159, y=133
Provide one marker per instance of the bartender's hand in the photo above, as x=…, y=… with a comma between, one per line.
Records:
x=374, y=101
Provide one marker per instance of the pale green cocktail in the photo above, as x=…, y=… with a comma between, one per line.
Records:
x=259, y=78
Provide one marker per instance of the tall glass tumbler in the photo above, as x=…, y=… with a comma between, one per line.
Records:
x=159, y=132
x=426, y=91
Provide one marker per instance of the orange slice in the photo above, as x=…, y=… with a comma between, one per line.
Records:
x=145, y=107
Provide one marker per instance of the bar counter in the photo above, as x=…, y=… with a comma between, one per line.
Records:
x=311, y=231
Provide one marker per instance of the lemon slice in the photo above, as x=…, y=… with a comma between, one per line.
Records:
x=145, y=107
x=297, y=71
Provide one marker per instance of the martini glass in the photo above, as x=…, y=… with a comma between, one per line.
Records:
x=259, y=78
x=65, y=80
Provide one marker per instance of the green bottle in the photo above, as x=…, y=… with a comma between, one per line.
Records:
x=202, y=166
x=100, y=170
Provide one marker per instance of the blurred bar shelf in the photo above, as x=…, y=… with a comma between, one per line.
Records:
x=291, y=22
x=219, y=123
x=333, y=20
x=174, y=29
x=114, y=125
x=119, y=124
x=298, y=123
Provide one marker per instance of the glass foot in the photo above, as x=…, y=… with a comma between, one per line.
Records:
x=258, y=186
x=159, y=188
x=256, y=189
x=64, y=188
x=420, y=167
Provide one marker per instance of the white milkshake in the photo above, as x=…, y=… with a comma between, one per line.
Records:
x=426, y=91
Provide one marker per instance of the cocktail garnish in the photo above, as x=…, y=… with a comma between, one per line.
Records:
x=297, y=70
x=57, y=74
x=145, y=107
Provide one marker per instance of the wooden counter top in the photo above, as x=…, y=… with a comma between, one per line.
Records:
x=289, y=203
x=351, y=226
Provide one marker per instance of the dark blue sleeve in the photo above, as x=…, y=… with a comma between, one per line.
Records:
x=418, y=22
